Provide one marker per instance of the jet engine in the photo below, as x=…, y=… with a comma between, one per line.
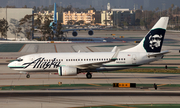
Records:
x=74, y=33
x=90, y=32
x=67, y=71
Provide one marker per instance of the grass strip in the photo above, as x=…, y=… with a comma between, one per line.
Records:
x=52, y=86
x=147, y=70
x=10, y=47
x=136, y=106
x=70, y=86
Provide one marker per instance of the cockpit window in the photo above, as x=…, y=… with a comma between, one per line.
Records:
x=19, y=59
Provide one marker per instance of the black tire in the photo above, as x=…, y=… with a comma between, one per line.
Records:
x=27, y=76
x=88, y=75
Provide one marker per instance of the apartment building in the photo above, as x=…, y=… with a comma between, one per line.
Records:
x=123, y=17
x=106, y=18
x=75, y=17
x=45, y=14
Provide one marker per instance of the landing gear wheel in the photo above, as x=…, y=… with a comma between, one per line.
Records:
x=27, y=76
x=89, y=75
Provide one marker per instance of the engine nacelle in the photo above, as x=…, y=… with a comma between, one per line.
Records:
x=74, y=33
x=67, y=71
x=90, y=32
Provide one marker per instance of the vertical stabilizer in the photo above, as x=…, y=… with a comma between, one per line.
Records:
x=53, y=24
x=153, y=41
x=55, y=17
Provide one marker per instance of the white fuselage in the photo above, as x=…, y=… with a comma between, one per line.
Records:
x=51, y=61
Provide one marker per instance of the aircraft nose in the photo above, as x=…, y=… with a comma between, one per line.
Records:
x=10, y=65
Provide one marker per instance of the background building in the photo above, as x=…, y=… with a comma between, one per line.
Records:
x=106, y=18
x=13, y=16
x=75, y=17
x=123, y=17
x=46, y=14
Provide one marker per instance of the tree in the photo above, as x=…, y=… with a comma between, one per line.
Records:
x=38, y=10
x=3, y=28
x=59, y=33
x=14, y=27
x=137, y=22
x=107, y=21
x=35, y=10
x=81, y=21
x=93, y=18
x=10, y=6
x=25, y=6
x=142, y=22
x=71, y=22
x=45, y=29
x=141, y=7
x=26, y=24
x=37, y=22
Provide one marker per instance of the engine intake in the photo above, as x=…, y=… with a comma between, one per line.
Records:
x=67, y=71
x=74, y=33
x=90, y=32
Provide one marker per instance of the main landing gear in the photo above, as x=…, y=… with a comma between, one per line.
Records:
x=28, y=76
x=88, y=75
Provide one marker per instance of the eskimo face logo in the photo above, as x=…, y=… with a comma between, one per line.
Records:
x=155, y=41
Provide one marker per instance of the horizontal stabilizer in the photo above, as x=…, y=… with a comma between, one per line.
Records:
x=157, y=54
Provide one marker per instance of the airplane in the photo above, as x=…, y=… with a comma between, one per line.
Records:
x=53, y=25
x=66, y=64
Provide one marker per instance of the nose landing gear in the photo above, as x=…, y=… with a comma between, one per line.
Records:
x=28, y=76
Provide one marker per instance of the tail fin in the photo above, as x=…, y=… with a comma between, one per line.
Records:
x=53, y=24
x=153, y=41
x=55, y=17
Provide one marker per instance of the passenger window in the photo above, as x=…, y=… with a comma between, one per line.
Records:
x=124, y=59
x=61, y=59
x=89, y=59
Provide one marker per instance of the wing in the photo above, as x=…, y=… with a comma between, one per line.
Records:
x=81, y=29
x=98, y=64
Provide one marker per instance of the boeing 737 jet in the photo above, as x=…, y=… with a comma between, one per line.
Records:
x=148, y=50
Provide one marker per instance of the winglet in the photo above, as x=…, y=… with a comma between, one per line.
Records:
x=114, y=49
x=114, y=57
